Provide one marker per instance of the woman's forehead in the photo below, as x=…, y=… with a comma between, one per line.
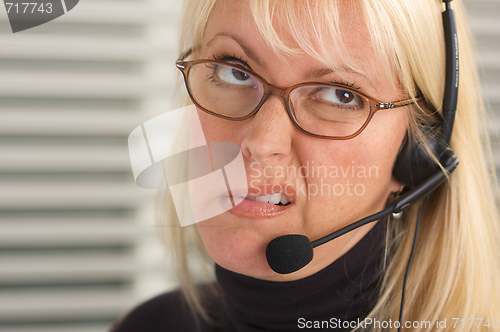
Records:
x=290, y=33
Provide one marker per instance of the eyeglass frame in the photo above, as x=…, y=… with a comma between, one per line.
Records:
x=284, y=93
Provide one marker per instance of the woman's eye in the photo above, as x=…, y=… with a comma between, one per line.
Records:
x=234, y=76
x=337, y=96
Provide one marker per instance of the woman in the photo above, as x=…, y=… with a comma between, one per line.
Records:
x=320, y=156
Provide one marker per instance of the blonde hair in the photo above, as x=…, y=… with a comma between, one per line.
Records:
x=456, y=266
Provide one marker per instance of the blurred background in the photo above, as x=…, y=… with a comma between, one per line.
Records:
x=77, y=242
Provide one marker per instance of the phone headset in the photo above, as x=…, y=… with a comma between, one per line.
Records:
x=415, y=167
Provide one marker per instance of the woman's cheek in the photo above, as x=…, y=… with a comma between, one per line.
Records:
x=218, y=130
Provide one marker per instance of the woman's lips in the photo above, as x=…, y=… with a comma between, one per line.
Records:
x=260, y=201
x=253, y=209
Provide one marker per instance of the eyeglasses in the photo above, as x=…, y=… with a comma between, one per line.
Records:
x=231, y=92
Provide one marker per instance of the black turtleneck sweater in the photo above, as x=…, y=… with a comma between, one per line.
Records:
x=344, y=291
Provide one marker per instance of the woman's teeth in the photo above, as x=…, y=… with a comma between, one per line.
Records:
x=276, y=199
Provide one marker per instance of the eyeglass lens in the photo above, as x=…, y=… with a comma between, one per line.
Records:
x=318, y=109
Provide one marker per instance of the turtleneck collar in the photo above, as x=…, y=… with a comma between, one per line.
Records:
x=345, y=290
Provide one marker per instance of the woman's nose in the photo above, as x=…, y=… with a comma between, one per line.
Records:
x=268, y=134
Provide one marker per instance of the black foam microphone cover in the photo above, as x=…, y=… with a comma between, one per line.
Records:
x=289, y=253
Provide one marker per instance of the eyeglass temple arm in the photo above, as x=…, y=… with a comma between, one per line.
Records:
x=185, y=55
x=401, y=103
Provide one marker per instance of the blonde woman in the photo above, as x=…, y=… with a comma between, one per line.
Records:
x=321, y=97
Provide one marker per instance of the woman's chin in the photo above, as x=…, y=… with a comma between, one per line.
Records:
x=237, y=249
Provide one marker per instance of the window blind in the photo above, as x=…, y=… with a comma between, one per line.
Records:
x=77, y=242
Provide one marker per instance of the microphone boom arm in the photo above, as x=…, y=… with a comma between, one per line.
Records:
x=406, y=200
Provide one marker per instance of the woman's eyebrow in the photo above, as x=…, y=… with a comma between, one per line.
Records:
x=245, y=49
x=317, y=73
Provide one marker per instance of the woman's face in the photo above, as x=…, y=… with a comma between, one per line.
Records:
x=329, y=183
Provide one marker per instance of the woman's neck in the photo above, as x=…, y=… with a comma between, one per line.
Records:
x=344, y=290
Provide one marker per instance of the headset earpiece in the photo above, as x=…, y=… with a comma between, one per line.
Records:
x=414, y=164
